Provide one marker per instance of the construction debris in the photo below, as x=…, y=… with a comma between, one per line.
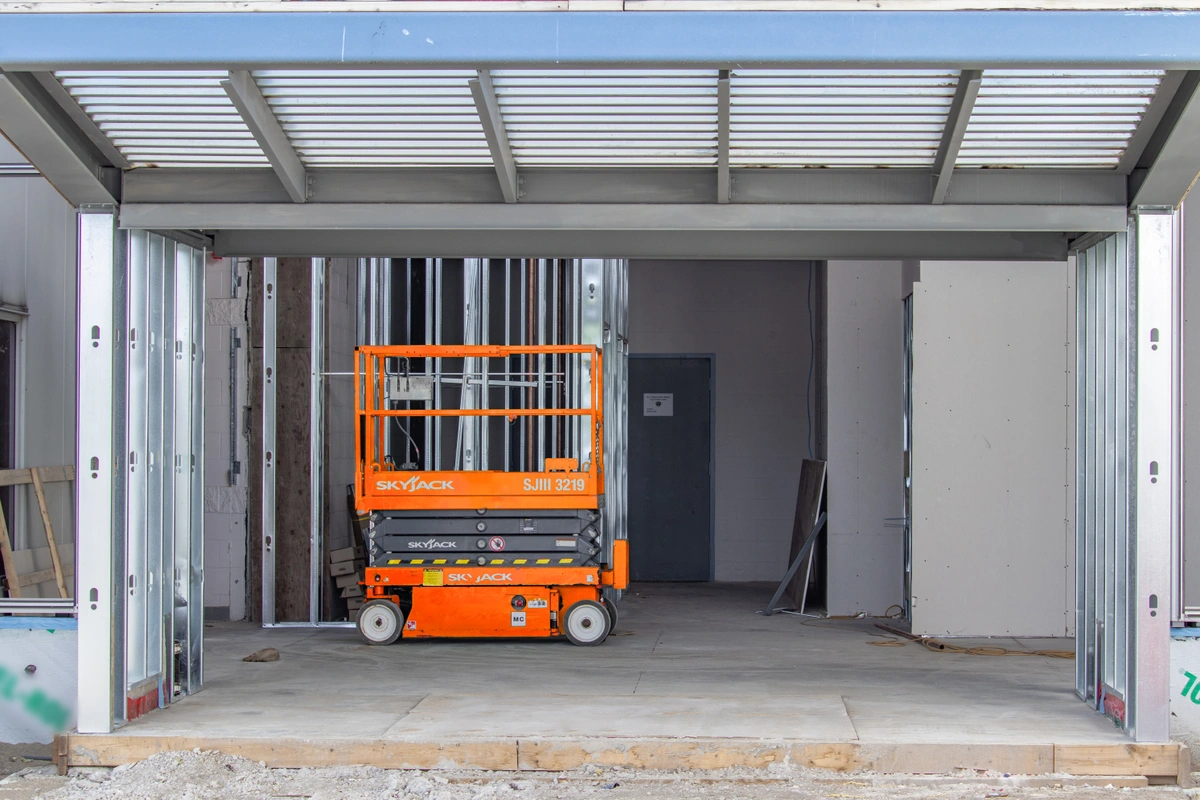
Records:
x=266, y=654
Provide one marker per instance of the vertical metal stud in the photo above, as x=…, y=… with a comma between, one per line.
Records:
x=98, y=467
x=1157, y=413
x=151, y=577
x=136, y=445
x=316, y=426
x=180, y=469
x=270, y=288
x=195, y=646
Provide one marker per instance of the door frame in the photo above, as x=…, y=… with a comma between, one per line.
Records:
x=712, y=448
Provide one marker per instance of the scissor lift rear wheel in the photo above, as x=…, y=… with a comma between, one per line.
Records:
x=586, y=623
x=380, y=621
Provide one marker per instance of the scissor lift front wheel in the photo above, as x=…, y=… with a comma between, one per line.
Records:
x=586, y=623
x=380, y=621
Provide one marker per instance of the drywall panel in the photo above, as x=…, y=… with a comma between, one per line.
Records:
x=755, y=317
x=37, y=290
x=990, y=449
x=865, y=353
x=1190, y=567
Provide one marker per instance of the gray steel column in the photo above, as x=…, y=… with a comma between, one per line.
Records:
x=98, y=469
x=316, y=425
x=1157, y=410
x=268, y=443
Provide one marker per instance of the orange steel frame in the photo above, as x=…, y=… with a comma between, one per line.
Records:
x=477, y=601
x=378, y=488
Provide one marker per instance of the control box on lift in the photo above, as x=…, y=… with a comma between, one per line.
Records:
x=476, y=552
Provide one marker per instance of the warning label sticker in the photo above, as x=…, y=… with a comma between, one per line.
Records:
x=496, y=544
x=564, y=542
x=537, y=602
x=432, y=577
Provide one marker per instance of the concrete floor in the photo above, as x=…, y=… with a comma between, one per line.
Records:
x=687, y=661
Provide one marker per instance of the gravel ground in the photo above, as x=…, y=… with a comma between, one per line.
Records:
x=199, y=776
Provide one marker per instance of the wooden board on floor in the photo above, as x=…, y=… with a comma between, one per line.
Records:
x=566, y=753
x=110, y=750
x=1152, y=760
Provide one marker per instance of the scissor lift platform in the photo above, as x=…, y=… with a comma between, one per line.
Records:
x=483, y=553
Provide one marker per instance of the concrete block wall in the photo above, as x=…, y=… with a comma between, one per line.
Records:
x=225, y=493
x=753, y=315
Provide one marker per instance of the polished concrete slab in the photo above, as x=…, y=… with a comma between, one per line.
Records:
x=687, y=661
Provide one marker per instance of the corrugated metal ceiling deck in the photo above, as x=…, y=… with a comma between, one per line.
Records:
x=607, y=118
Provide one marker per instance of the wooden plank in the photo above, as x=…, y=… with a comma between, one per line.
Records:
x=6, y=557
x=40, y=493
x=808, y=508
x=1151, y=760
x=33, y=579
x=23, y=477
x=111, y=750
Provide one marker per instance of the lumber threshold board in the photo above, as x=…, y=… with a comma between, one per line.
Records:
x=1153, y=761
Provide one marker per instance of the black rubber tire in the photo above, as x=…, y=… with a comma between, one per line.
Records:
x=613, y=614
x=580, y=620
x=371, y=614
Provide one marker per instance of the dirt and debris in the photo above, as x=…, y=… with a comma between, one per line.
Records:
x=264, y=655
x=203, y=775
x=16, y=757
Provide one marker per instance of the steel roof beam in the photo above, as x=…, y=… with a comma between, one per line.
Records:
x=782, y=245
x=267, y=131
x=647, y=39
x=1171, y=161
x=85, y=124
x=724, y=193
x=956, y=128
x=1152, y=117
x=37, y=126
x=492, y=120
x=678, y=218
x=629, y=185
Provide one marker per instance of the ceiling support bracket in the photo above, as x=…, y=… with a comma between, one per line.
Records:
x=488, y=107
x=267, y=131
x=956, y=128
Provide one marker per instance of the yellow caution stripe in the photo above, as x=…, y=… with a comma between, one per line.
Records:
x=493, y=560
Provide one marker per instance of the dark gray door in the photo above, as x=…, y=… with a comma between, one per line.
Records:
x=670, y=456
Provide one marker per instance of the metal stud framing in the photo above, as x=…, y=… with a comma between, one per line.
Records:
x=270, y=286
x=1127, y=471
x=139, y=489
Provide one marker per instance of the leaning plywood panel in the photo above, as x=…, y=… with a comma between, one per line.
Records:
x=990, y=538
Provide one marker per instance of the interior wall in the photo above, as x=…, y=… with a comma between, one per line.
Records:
x=864, y=362
x=993, y=537
x=754, y=316
x=37, y=289
x=1189, y=567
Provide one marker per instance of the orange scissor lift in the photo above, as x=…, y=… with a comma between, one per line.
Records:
x=482, y=553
